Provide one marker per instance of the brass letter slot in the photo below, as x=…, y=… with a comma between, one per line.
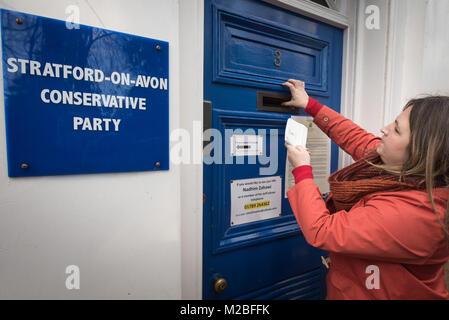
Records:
x=271, y=102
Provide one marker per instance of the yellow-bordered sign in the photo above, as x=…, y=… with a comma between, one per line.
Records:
x=257, y=205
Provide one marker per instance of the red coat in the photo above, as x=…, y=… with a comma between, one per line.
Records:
x=390, y=245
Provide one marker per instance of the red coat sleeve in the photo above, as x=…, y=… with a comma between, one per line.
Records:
x=345, y=133
x=386, y=227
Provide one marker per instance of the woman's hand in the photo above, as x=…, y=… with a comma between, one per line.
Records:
x=298, y=156
x=300, y=98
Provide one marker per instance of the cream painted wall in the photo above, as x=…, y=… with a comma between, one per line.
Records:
x=404, y=58
x=191, y=37
x=435, y=77
x=122, y=230
x=413, y=64
x=418, y=52
x=370, y=67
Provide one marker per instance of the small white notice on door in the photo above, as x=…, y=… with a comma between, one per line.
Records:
x=246, y=145
x=255, y=199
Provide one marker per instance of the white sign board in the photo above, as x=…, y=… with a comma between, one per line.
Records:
x=255, y=199
x=246, y=145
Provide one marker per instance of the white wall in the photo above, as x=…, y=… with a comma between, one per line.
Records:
x=370, y=68
x=413, y=64
x=435, y=77
x=123, y=230
x=419, y=43
x=404, y=58
x=191, y=37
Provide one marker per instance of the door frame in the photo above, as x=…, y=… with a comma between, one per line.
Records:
x=191, y=30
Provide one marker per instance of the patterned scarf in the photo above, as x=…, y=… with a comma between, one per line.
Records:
x=348, y=185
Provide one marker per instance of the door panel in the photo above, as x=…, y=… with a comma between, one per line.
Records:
x=253, y=47
x=256, y=53
x=225, y=236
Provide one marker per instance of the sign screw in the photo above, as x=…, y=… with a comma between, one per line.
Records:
x=158, y=164
x=24, y=166
x=158, y=48
x=19, y=21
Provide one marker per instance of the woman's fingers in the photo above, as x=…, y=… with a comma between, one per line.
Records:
x=288, y=84
x=296, y=83
x=293, y=83
x=302, y=148
x=291, y=87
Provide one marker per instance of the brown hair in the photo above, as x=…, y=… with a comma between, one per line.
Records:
x=428, y=151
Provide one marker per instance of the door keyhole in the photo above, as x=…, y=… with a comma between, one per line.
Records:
x=220, y=285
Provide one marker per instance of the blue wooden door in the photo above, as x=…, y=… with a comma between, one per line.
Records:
x=251, y=47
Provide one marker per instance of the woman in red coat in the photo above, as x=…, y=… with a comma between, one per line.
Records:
x=385, y=222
